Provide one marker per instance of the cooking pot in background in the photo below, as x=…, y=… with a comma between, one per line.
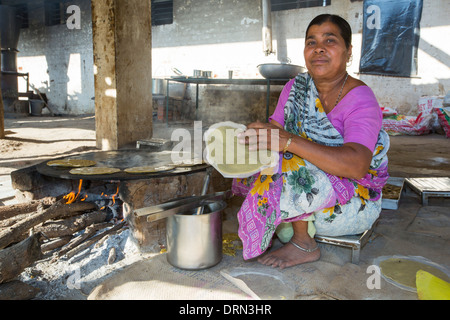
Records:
x=159, y=86
x=280, y=70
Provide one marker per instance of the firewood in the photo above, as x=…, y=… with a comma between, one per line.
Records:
x=55, y=244
x=102, y=240
x=20, y=208
x=69, y=226
x=94, y=239
x=112, y=255
x=13, y=220
x=69, y=214
x=17, y=290
x=15, y=259
x=59, y=208
x=88, y=232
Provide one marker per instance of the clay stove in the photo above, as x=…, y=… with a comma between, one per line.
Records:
x=133, y=191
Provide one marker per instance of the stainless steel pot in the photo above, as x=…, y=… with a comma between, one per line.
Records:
x=194, y=241
x=159, y=86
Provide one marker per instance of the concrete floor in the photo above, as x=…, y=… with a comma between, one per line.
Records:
x=411, y=230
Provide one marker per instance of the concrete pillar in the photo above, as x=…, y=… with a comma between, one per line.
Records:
x=122, y=68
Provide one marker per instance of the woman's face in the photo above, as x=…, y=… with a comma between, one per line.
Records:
x=325, y=52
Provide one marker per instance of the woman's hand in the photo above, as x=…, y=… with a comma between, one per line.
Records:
x=351, y=160
x=264, y=136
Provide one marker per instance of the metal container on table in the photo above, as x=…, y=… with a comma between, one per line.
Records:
x=197, y=73
x=194, y=242
x=206, y=74
x=159, y=86
x=280, y=70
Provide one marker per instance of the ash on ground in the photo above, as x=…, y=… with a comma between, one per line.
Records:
x=75, y=278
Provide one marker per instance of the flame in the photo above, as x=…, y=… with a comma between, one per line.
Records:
x=71, y=197
x=115, y=195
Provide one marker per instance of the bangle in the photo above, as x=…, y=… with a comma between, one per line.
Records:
x=288, y=143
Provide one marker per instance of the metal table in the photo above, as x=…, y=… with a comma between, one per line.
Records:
x=210, y=81
x=429, y=187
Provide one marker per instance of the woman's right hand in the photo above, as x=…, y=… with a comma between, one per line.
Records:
x=264, y=136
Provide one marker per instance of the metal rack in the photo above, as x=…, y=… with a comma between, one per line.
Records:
x=211, y=81
x=429, y=187
x=355, y=242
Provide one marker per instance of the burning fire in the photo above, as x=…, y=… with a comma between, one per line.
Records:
x=111, y=203
x=113, y=197
x=71, y=197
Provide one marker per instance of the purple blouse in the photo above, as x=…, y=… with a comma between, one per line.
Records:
x=357, y=117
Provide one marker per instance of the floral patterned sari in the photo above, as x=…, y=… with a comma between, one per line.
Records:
x=298, y=190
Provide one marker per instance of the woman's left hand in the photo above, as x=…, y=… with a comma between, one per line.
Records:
x=264, y=136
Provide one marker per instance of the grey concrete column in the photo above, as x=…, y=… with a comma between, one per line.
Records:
x=122, y=68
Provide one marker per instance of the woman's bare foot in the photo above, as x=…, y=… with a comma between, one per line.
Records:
x=289, y=255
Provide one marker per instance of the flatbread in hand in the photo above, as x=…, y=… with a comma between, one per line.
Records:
x=94, y=170
x=72, y=163
x=232, y=159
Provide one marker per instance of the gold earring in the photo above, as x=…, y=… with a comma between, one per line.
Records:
x=349, y=61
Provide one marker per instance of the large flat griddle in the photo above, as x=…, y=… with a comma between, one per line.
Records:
x=121, y=159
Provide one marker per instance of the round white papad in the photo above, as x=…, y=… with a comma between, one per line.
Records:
x=232, y=159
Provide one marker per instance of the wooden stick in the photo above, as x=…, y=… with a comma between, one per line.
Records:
x=112, y=255
x=7, y=212
x=55, y=243
x=17, y=290
x=19, y=256
x=90, y=231
x=69, y=226
x=59, y=208
x=11, y=221
x=94, y=239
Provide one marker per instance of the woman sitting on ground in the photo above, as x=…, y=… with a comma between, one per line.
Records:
x=332, y=155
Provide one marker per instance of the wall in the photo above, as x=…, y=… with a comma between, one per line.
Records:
x=433, y=63
x=59, y=60
x=210, y=35
x=222, y=35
